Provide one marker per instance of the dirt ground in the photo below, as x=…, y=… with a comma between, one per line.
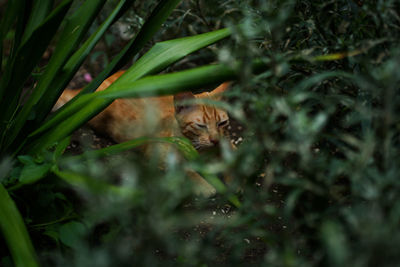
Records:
x=85, y=136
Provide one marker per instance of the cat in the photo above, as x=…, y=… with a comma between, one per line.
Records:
x=163, y=116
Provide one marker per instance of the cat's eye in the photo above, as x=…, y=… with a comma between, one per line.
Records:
x=222, y=123
x=202, y=126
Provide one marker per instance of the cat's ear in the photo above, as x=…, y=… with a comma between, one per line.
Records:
x=180, y=98
x=217, y=92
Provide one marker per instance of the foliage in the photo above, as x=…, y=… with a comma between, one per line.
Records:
x=317, y=169
x=25, y=111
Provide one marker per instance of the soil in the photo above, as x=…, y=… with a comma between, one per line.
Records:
x=85, y=138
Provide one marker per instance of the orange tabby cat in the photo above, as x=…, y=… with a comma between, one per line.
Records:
x=163, y=116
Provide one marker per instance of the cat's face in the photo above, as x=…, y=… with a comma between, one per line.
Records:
x=203, y=125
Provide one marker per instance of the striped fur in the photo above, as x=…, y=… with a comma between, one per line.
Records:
x=165, y=116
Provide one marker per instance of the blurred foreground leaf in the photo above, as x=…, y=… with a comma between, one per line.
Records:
x=15, y=233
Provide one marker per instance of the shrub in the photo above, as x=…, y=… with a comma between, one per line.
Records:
x=317, y=158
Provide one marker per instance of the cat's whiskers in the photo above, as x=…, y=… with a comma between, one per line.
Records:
x=196, y=145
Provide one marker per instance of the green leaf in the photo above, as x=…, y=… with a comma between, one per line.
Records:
x=60, y=148
x=163, y=54
x=72, y=65
x=89, y=105
x=74, y=31
x=25, y=159
x=15, y=233
x=158, y=16
x=158, y=58
x=292, y=201
x=150, y=27
x=25, y=60
x=33, y=172
x=92, y=104
x=317, y=78
x=71, y=234
x=168, y=84
x=19, y=68
x=161, y=12
x=335, y=242
x=54, y=235
x=181, y=143
x=6, y=166
x=92, y=185
x=40, y=10
x=9, y=15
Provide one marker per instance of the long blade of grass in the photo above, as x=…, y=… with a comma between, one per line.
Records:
x=158, y=58
x=33, y=49
x=351, y=53
x=182, y=144
x=74, y=31
x=163, y=54
x=150, y=27
x=170, y=83
x=15, y=233
x=18, y=28
x=94, y=186
x=18, y=69
x=149, y=86
x=317, y=78
x=158, y=16
x=25, y=29
x=73, y=64
x=40, y=10
x=10, y=14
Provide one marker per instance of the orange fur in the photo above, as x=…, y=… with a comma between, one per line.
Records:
x=163, y=116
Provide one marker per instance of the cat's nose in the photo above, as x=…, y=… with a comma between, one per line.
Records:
x=214, y=141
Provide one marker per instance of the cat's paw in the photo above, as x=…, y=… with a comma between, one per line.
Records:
x=200, y=185
x=204, y=189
